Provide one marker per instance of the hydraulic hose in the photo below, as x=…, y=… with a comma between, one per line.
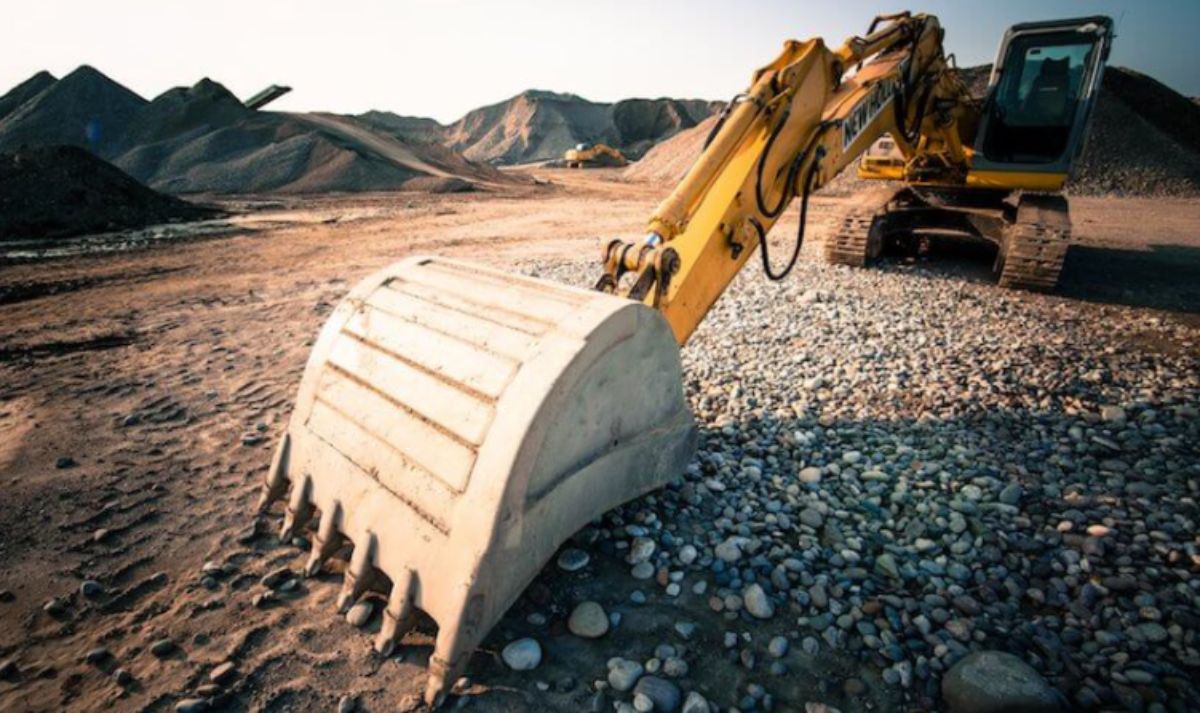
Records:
x=762, y=162
x=806, y=191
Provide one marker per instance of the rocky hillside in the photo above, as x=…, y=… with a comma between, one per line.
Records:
x=539, y=126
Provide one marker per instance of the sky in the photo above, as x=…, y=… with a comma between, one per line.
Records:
x=441, y=58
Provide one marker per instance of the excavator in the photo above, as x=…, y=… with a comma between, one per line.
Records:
x=586, y=155
x=456, y=424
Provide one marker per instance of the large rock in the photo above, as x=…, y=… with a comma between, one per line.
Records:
x=996, y=682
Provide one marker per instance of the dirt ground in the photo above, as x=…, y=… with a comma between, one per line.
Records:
x=141, y=394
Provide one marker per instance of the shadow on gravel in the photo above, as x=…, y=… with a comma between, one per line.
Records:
x=1164, y=277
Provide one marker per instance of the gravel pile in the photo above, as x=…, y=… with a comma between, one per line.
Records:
x=60, y=191
x=202, y=139
x=904, y=468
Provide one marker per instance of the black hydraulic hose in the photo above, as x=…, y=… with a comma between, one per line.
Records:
x=762, y=162
x=725, y=112
x=906, y=92
x=762, y=234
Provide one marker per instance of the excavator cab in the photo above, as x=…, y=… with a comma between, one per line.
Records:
x=1041, y=93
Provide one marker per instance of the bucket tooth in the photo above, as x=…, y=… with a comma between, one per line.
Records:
x=277, y=482
x=299, y=510
x=446, y=665
x=327, y=541
x=358, y=574
x=458, y=424
x=398, y=616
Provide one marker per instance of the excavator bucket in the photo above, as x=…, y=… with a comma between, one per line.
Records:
x=456, y=424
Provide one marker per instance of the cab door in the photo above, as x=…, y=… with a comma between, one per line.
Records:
x=1040, y=95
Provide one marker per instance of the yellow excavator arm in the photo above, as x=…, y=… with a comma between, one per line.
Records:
x=806, y=116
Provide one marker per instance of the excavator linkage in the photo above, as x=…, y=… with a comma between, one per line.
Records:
x=456, y=424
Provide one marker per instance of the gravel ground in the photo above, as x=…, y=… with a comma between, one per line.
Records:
x=908, y=466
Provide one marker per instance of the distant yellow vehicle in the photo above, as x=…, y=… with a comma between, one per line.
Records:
x=593, y=155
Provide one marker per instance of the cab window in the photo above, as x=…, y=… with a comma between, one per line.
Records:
x=1032, y=109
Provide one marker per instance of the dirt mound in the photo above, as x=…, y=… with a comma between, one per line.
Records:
x=84, y=108
x=540, y=126
x=59, y=191
x=1144, y=140
x=184, y=111
x=641, y=123
x=532, y=126
x=669, y=161
x=414, y=129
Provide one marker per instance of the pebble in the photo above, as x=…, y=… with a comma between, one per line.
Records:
x=641, y=550
x=223, y=673
x=65, y=462
x=675, y=667
x=588, y=620
x=96, y=655
x=522, y=654
x=9, y=670
x=623, y=674
x=359, y=614
x=778, y=647
x=162, y=648
x=573, y=559
x=812, y=517
x=687, y=554
x=347, y=704
x=191, y=705
x=665, y=695
x=757, y=602
x=123, y=678
x=695, y=703
x=90, y=589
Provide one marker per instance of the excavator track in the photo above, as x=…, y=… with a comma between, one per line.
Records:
x=856, y=238
x=1035, y=246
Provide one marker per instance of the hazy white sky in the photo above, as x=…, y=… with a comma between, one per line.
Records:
x=442, y=58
